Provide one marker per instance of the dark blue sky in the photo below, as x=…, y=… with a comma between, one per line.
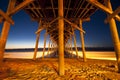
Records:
x=22, y=33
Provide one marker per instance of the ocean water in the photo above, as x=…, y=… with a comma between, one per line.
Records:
x=103, y=55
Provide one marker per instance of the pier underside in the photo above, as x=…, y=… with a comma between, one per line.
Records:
x=60, y=19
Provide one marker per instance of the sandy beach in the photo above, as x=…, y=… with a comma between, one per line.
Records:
x=47, y=69
x=20, y=66
x=102, y=55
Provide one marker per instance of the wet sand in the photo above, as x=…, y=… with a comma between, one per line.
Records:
x=103, y=55
x=47, y=69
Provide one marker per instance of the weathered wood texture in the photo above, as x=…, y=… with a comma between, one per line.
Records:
x=5, y=31
x=114, y=34
x=61, y=38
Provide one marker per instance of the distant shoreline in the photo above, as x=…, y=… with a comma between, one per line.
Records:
x=79, y=49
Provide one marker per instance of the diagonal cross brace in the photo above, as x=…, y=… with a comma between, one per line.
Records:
x=112, y=15
x=102, y=7
x=17, y=8
x=6, y=17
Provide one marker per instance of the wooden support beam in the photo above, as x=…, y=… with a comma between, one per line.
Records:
x=86, y=19
x=47, y=25
x=115, y=36
x=53, y=8
x=69, y=49
x=74, y=25
x=53, y=38
x=45, y=37
x=36, y=46
x=37, y=41
x=112, y=15
x=61, y=38
x=39, y=30
x=49, y=47
x=75, y=44
x=84, y=10
x=53, y=21
x=82, y=42
x=78, y=8
x=5, y=31
x=52, y=30
x=102, y=7
x=37, y=9
x=34, y=10
x=71, y=46
x=68, y=8
x=49, y=8
x=6, y=17
x=19, y=7
x=66, y=47
x=68, y=30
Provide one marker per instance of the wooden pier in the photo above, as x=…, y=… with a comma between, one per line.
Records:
x=60, y=19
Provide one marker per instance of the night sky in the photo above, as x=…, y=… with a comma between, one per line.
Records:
x=22, y=33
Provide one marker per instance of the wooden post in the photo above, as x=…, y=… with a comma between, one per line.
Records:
x=74, y=36
x=82, y=42
x=115, y=36
x=37, y=41
x=51, y=47
x=45, y=36
x=66, y=46
x=61, y=37
x=48, y=48
x=69, y=49
x=71, y=46
x=36, y=46
x=5, y=31
x=6, y=17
